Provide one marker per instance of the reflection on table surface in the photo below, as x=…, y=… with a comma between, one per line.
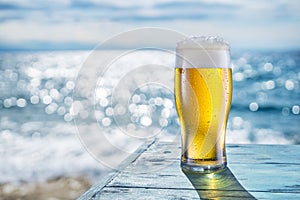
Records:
x=218, y=185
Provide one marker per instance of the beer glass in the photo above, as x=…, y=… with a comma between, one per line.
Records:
x=203, y=90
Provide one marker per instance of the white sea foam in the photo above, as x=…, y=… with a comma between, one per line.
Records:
x=196, y=52
x=29, y=155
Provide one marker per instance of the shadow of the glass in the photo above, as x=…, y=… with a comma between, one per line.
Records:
x=219, y=185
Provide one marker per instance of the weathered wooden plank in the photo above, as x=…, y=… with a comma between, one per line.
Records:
x=268, y=177
x=111, y=175
x=265, y=171
x=255, y=178
x=266, y=154
x=112, y=193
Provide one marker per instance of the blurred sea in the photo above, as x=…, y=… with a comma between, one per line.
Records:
x=38, y=138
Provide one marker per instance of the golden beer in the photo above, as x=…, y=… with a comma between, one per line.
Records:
x=203, y=98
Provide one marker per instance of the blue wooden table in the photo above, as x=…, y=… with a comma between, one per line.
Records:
x=254, y=172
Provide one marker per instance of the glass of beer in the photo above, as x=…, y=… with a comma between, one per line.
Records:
x=203, y=91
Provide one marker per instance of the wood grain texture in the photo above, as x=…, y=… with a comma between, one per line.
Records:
x=254, y=172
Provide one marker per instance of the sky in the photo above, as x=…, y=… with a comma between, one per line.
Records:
x=82, y=24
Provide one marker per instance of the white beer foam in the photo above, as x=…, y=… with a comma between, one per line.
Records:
x=202, y=52
x=207, y=42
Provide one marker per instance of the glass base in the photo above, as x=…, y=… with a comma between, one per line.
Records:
x=192, y=167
